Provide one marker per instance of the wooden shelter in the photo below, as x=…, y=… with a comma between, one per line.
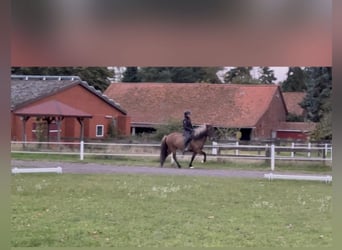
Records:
x=52, y=111
x=70, y=107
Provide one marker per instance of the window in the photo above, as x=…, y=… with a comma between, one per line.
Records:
x=99, y=130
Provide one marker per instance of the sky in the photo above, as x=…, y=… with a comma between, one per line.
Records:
x=280, y=73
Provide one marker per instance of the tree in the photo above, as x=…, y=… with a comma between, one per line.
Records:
x=179, y=74
x=295, y=81
x=239, y=75
x=323, y=130
x=266, y=75
x=209, y=74
x=94, y=76
x=155, y=74
x=294, y=118
x=183, y=74
x=131, y=74
x=317, y=102
x=194, y=74
x=30, y=70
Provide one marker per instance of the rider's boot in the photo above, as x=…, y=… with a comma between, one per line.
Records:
x=186, y=148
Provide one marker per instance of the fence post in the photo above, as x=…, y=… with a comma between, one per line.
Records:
x=214, y=150
x=267, y=154
x=236, y=150
x=292, y=152
x=82, y=150
x=325, y=150
x=309, y=147
x=272, y=156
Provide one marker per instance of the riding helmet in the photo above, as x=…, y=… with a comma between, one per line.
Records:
x=187, y=112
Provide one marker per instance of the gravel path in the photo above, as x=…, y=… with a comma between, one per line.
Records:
x=94, y=168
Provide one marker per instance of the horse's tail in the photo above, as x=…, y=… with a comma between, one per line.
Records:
x=163, y=151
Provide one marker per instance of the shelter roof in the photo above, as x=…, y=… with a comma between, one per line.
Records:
x=293, y=100
x=297, y=126
x=52, y=108
x=223, y=105
x=26, y=89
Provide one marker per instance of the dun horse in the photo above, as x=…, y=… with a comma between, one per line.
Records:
x=175, y=141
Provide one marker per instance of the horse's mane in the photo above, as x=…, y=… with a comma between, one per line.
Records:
x=200, y=131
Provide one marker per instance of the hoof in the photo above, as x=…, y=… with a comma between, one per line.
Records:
x=191, y=167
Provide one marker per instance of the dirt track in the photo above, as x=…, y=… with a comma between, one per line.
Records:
x=93, y=168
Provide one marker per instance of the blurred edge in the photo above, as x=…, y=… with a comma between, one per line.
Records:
x=337, y=122
x=5, y=124
x=178, y=33
x=124, y=37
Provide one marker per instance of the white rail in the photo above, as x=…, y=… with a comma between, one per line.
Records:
x=16, y=170
x=325, y=178
x=271, y=153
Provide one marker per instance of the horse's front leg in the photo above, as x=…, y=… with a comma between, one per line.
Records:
x=204, y=156
x=175, y=158
x=192, y=159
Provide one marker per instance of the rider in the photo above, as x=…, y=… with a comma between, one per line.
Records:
x=187, y=130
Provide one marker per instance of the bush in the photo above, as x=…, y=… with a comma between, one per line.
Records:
x=171, y=126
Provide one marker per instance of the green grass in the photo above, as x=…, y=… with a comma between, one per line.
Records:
x=51, y=210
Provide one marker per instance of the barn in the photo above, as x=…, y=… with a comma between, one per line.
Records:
x=62, y=108
x=292, y=102
x=295, y=130
x=256, y=110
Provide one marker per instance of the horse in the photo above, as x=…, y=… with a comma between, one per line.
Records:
x=171, y=142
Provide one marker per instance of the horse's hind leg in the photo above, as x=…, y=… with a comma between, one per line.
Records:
x=175, y=158
x=163, y=158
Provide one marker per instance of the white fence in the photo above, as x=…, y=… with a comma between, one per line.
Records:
x=325, y=178
x=268, y=152
x=16, y=170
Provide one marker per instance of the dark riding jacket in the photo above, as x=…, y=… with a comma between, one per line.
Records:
x=187, y=126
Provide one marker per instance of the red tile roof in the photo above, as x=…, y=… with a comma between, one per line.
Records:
x=292, y=100
x=297, y=126
x=27, y=89
x=223, y=105
x=52, y=108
